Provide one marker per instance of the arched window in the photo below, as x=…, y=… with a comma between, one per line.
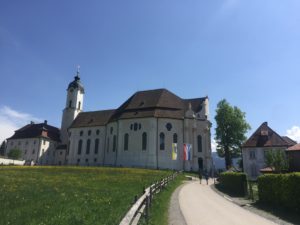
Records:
x=79, y=147
x=96, y=145
x=175, y=138
x=88, y=146
x=162, y=141
x=114, y=143
x=81, y=133
x=89, y=132
x=126, y=141
x=79, y=105
x=107, y=149
x=144, y=141
x=199, y=141
x=70, y=103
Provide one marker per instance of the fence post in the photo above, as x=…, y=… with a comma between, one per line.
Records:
x=150, y=193
x=147, y=204
x=135, y=199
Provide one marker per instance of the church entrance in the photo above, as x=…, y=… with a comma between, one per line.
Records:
x=200, y=163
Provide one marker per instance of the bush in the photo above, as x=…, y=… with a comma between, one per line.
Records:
x=15, y=154
x=280, y=189
x=233, y=182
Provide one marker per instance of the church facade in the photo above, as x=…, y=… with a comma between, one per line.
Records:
x=143, y=132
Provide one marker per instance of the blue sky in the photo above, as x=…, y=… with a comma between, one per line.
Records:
x=247, y=52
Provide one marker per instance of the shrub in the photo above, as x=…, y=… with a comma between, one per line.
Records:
x=280, y=189
x=233, y=182
x=14, y=154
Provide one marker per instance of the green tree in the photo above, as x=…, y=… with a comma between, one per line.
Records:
x=230, y=131
x=276, y=160
x=2, y=148
x=14, y=154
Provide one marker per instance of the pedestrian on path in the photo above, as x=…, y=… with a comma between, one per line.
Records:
x=200, y=175
x=206, y=177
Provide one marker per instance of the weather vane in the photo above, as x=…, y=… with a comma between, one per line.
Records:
x=78, y=69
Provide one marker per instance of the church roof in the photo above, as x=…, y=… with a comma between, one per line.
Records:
x=159, y=103
x=37, y=130
x=90, y=119
x=264, y=136
x=156, y=103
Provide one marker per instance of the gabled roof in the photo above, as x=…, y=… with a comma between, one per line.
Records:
x=264, y=136
x=289, y=140
x=37, y=130
x=294, y=148
x=90, y=119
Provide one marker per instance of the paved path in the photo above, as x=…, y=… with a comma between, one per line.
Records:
x=200, y=205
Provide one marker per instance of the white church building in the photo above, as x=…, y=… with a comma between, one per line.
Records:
x=139, y=133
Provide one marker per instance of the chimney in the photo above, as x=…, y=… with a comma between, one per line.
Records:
x=31, y=122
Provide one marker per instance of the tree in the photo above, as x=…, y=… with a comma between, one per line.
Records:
x=14, y=154
x=230, y=131
x=276, y=160
x=2, y=148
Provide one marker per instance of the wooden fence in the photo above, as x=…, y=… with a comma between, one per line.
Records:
x=141, y=206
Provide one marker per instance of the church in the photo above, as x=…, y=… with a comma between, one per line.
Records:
x=152, y=129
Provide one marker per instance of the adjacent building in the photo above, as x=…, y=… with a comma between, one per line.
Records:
x=254, y=149
x=37, y=143
x=142, y=132
x=294, y=158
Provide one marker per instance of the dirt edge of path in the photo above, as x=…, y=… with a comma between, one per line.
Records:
x=175, y=215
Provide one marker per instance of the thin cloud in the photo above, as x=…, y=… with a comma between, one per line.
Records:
x=294, y=133
x=11, y=120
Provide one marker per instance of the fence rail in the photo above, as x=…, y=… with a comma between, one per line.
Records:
x=141, y=205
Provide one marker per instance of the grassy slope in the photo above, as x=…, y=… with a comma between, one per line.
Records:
x=69, y=195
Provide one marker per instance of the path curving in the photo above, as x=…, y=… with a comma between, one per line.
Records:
x=200, y=205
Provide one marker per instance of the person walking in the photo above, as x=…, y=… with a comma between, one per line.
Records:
x=206, y=177
x=200, y=175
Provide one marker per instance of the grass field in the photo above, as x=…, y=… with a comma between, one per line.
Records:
x=69, y=195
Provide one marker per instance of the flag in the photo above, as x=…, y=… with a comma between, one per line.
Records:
x=174, y=151
x=187, y=151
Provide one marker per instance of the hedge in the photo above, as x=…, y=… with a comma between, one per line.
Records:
x=280, y=189
x=233, y=182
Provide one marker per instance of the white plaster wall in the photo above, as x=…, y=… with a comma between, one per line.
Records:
x=34, y=149
x=135, y=156
x=11, y=162
x=165, y=156
x=91, y=159
x=258, y=162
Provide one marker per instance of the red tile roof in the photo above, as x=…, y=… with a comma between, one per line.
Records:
x=294, y=148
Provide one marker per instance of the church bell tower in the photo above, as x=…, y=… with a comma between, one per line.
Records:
x=75, y=93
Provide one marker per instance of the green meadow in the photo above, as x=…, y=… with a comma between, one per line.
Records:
x=70, y=195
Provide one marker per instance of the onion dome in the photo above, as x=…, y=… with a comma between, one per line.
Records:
x=76, y=84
